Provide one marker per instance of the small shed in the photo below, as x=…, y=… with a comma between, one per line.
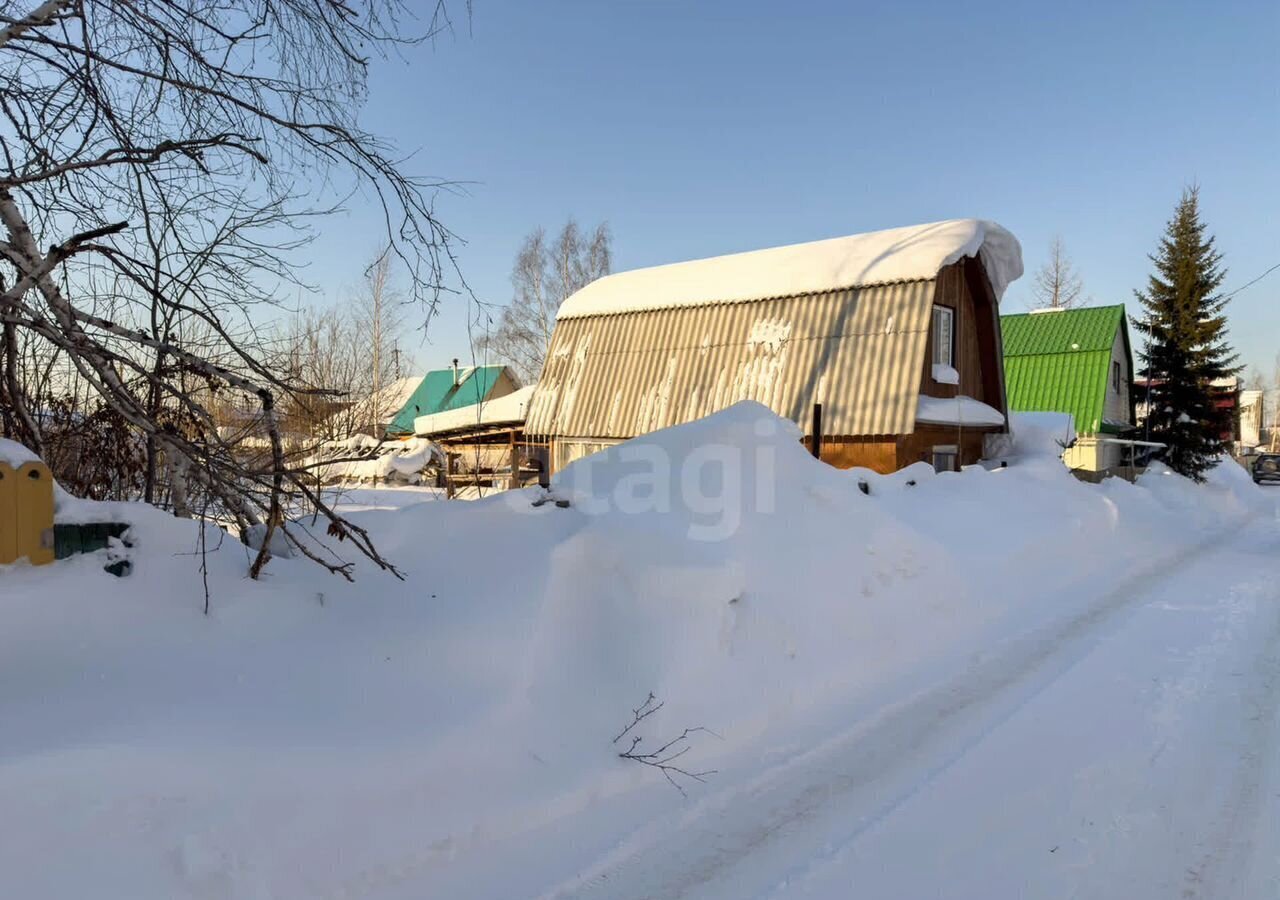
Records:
x=893, y=334
x=485, y=443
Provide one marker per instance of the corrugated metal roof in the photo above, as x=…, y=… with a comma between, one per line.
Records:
x=437, y=393
x=1073, y=383
x=860, y=351
x=1061, y=330
x=1060, y=361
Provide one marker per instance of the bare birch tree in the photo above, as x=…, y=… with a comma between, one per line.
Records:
x=1056, y=285
x=157, y=164
x=381, y=317
x=544, y=275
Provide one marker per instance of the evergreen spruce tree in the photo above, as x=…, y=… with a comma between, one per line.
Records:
x=1186, y=342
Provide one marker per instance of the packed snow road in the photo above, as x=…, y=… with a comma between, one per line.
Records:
x=1131, y=752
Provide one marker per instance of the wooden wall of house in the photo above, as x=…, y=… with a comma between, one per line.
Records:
x=918, y=446
x=964, y=288
x=876, y=452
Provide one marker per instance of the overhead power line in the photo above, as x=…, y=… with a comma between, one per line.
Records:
x=1252, y=283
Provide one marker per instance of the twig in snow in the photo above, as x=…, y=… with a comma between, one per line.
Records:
x=650, y=706
x=663, y=758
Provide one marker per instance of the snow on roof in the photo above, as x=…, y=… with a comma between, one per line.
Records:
x=961, y=410
x=879, y=257
x=382, y=407
x=500, y=410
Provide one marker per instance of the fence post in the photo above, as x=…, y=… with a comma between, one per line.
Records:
x=816, y=444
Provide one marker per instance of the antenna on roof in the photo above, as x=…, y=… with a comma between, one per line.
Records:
x=455, y=373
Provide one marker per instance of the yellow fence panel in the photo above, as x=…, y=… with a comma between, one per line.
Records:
x=35, y=513
x=26, y=513
x=8, y=514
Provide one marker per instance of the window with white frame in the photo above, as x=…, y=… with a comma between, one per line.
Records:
x=1115, y=376
x=946, y=458
x=943, y=336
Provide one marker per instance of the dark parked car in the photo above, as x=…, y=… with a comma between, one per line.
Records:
x=1266, y=469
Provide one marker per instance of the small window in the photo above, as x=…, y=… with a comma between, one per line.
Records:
x=1115, y=376
x=946, y=458
x=943, y=336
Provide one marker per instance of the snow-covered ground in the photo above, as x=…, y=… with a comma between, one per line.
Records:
x=987, y=684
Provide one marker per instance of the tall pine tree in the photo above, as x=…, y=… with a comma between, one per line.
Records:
x=1186, y=342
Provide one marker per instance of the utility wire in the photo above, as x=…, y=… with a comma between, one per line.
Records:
x=1252, y=283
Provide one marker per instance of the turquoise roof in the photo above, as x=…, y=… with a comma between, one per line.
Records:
x=437, y=393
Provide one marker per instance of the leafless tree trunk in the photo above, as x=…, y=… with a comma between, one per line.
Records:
x=381, y=315
x=1056, y=285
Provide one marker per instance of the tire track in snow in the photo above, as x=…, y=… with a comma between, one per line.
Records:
x=1125, y=828
x=1221, y=870
x=874, y=766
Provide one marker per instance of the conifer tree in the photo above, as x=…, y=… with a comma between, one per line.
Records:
x=1186, y=342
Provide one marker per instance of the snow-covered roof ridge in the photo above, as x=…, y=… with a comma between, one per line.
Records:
x=500, y=410
x=913, y=253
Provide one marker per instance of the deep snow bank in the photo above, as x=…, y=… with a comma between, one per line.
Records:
x=452, y=735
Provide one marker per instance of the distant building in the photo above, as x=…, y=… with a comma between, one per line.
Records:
x=1075, y=361
x=391, y=412
x=1252, y=424
x=894, y=333
x=1226, y=399
x=485, y=445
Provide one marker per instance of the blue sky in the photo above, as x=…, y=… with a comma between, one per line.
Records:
x=703, y=128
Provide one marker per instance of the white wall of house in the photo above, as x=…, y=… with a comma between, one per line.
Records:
x=1089, y=454
x=1116, y=406
x=1251, y=406
x=571, y=449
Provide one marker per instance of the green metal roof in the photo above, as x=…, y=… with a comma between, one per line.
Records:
x=1060, y=361
x=437, y=393
x=1061, y=331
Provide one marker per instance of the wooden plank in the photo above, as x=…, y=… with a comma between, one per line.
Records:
x=514, y=481
x=878, y=454
x=8, y=514
x=35, y=513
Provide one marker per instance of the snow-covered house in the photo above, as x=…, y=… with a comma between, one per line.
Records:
x=485, y=444
x=894, y=333
x=1075, y=361
x=392, y=410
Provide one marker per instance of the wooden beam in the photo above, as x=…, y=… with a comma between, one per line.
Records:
x=514, y=456
x=817, y=431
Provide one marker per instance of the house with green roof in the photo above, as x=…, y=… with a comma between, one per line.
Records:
x=441, y=390
x=391, y=410
x=1075, y=361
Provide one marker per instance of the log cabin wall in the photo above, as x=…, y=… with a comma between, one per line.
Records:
x=876, y=452
x=977, y=355
x=918, y=446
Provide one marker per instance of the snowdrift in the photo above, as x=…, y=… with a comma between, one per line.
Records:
x=361, y=458
x=452, y=735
